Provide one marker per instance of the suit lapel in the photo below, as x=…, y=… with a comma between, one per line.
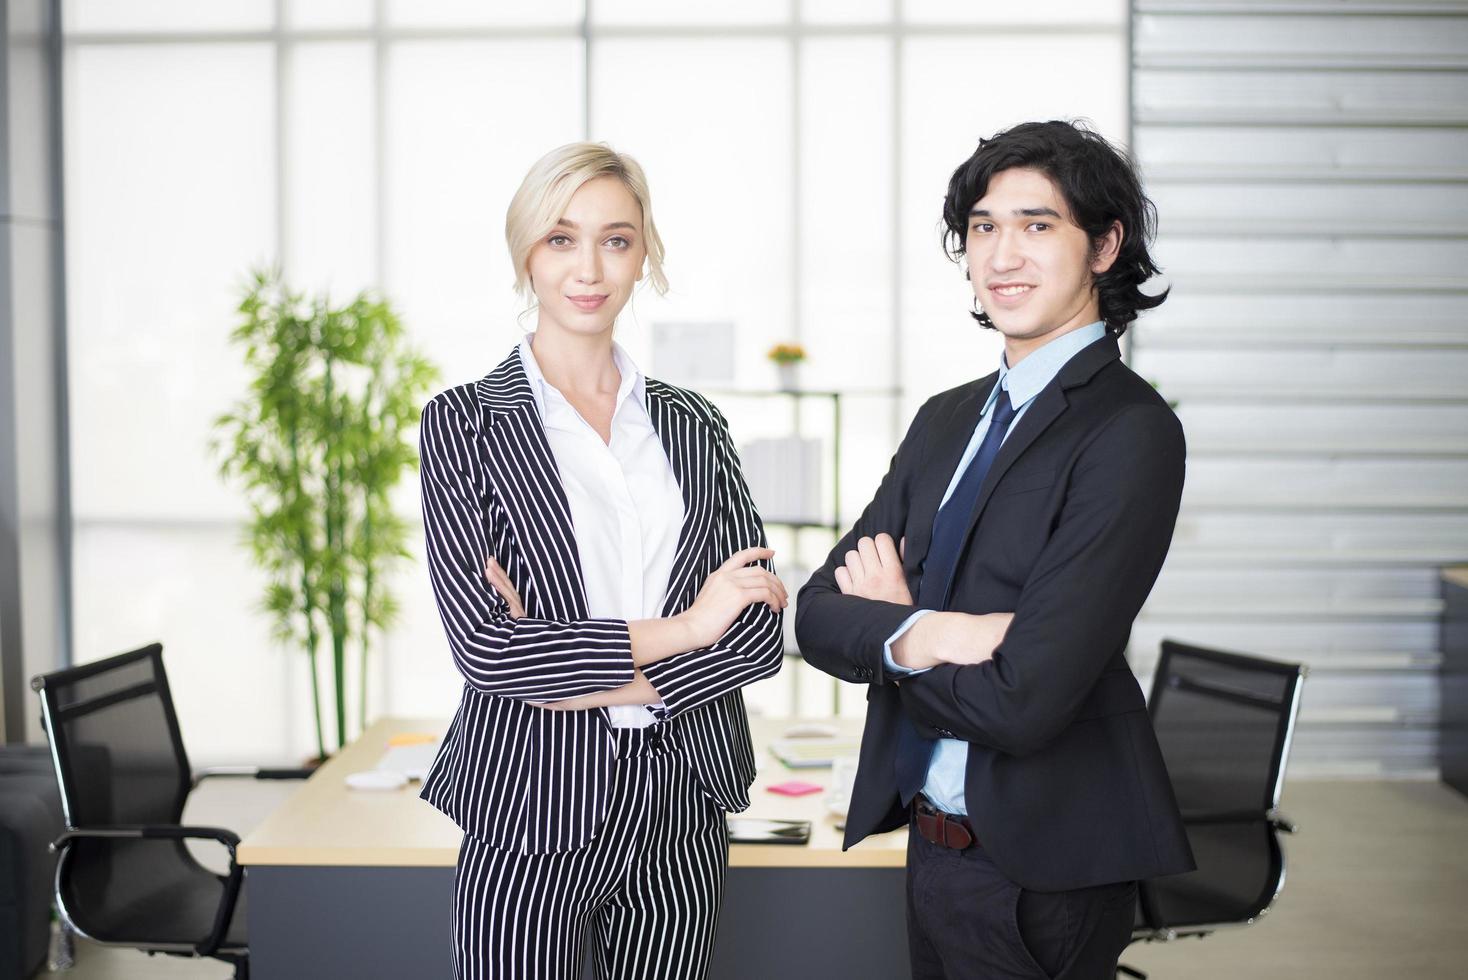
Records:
x=950, y=438
x=529, y=486
x=1047, y=406
x=690, y=449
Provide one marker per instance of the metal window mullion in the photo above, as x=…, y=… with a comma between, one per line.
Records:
x=379, y=148
x=282, y=50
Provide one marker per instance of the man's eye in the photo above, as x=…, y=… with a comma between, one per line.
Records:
x=1039, y=226
x=982, y=228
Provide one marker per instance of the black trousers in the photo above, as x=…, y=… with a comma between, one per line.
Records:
x=967, y=921
x=645, y=892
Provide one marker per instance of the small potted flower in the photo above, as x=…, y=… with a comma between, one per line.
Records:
x=787, y=358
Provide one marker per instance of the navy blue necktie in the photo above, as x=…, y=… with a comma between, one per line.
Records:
x=950, y=529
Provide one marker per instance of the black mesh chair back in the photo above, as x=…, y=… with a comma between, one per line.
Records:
x=125, y=875
x=1224, y=722
x=116, y=739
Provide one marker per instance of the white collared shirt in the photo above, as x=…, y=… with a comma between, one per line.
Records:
x=626, y=505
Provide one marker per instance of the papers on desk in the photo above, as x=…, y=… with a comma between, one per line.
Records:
x=409, y=755
x=813, y=753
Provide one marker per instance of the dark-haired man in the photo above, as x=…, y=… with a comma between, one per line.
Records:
x=1019, y=747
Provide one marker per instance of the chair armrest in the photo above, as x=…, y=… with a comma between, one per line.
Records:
x=228, y=838
x=248, y=772
x=1200, y=817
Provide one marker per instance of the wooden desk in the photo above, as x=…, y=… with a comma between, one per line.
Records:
x=1452, y=745
x=351, y=883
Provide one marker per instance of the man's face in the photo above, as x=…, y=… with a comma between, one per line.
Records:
x=1032, y=267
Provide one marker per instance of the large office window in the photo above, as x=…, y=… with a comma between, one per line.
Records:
x=798, y=151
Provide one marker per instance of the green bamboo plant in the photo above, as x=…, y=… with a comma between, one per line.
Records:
x=318, y=445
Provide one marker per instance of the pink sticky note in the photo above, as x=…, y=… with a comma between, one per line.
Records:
x=795, y=787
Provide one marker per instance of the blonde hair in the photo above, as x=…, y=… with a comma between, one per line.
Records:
x=546, y=192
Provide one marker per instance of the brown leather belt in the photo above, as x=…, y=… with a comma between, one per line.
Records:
x=939, y=827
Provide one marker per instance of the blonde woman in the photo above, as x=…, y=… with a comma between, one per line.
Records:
x=604, y=583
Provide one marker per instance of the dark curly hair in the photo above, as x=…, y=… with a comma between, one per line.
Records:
x=1100, y=186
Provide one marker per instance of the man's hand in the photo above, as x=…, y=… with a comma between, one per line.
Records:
x=950, y=638
x=874, y=571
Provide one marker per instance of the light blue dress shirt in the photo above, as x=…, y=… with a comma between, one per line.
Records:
x=944, y=786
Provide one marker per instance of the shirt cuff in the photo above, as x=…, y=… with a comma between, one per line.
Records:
x=892, y=666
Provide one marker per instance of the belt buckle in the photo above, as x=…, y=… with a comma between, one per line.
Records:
x=955, y=834
x=947, y=828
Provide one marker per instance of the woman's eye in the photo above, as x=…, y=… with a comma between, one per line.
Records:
x=982, y=228
x=1039, y=226
x=556, y=241
x=617, y=241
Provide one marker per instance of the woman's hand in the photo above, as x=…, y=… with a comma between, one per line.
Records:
x=874, y=571
x=504, y=588
x=733, y=586
x=638, y=692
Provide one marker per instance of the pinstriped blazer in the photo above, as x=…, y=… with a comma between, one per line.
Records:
x=525, y=777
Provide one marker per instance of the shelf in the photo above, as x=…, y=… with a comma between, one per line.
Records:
x=1348, y=395
x=1231, y=336
x=1261, y=227
x=1292, y=61
x=1253, y=609
x=1259, y=284
x=1187, y=556
x=1214, y=174
x=1259, y=8
x=1198, y=446
x=1393, y=505
x=1266, y=118
x=1333, y=664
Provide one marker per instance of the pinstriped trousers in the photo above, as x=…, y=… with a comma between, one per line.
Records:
x=645, y=892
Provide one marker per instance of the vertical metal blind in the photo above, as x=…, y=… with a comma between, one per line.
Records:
x=1309, y=161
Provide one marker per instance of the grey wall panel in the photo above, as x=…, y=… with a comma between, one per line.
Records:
x=1395, y=154
x=1365, y=210
x=1302, y=262
x=1343, y=586
x=1260, y=539
x=1224, y=317
x=1309, y=161
x=1373, y=429
x=1295, y=637
x=1313, y=366
x=1300, y=98
x=1293, y=41
x=1321, y=483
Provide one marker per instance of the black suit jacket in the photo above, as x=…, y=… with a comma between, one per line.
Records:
x=1065, y=786
x=524, y=777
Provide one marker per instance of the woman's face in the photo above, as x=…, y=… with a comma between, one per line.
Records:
x=583, y=271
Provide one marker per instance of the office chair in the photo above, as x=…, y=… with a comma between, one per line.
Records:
x=1225, y=722
x=124, y=874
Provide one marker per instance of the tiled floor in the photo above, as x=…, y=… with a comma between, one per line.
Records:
x=1378, y=881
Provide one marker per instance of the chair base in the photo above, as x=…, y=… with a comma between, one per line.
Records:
x=239, y=960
